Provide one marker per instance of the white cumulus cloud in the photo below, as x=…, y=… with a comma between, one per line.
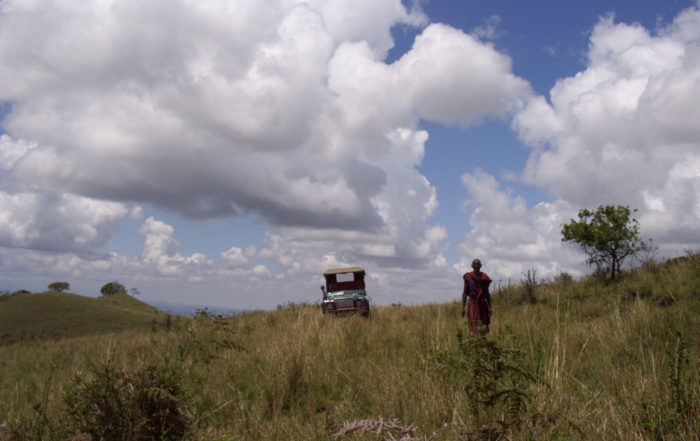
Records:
x=511, y=238
x=285, y=110
x=625, y=131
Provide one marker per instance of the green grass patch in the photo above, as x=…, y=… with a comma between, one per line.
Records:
x=55, y=315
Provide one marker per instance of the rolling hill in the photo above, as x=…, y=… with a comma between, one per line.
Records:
x=55, y=315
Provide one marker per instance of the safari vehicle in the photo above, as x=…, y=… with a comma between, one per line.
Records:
x=345, y=291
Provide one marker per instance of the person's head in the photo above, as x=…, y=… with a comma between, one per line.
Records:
x=476, y=265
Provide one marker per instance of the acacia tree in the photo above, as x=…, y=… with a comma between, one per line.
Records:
x=112, y=288
x=607, y=236
x=58, y=286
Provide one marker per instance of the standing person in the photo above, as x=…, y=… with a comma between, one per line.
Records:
x=476, y=291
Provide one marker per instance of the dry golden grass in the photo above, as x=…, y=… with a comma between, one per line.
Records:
x=610, y=361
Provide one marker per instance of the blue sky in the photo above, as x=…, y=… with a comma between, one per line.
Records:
x=226, y=154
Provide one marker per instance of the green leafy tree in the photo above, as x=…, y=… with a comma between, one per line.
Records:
x=608, y=236
x=112, y=288
x=58, y=286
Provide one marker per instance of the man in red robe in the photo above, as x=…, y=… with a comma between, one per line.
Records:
x=477, y=299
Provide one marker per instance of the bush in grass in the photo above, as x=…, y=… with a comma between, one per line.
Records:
x=151, y=403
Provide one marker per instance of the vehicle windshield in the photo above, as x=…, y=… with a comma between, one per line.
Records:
x=345, y=282
x=348, y=277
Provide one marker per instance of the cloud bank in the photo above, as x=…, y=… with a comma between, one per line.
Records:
x=624, y=131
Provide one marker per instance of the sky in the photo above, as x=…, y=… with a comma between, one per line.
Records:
x=226, y=153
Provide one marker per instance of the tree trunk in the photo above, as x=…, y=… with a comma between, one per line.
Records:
x=613, y=259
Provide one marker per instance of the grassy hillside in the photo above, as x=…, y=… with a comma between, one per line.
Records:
x=587, y=360
x=53, y=315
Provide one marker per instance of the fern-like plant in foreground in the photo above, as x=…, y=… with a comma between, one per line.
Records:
x=494, y=381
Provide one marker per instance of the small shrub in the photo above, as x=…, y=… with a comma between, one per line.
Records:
x=529, y=284
x=168, y=321
x=148, y=404
x=206, y=314
x=564, y=279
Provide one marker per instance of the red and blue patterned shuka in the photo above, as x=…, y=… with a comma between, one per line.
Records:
x=479, y=301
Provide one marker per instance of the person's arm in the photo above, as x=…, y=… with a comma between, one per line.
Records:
x=487, y=292
x=464, y=297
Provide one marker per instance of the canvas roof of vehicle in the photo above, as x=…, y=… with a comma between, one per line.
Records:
x=351, y=269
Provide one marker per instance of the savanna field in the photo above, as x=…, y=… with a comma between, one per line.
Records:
x=565, y=360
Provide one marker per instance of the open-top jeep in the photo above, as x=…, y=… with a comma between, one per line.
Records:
x=345, y=291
